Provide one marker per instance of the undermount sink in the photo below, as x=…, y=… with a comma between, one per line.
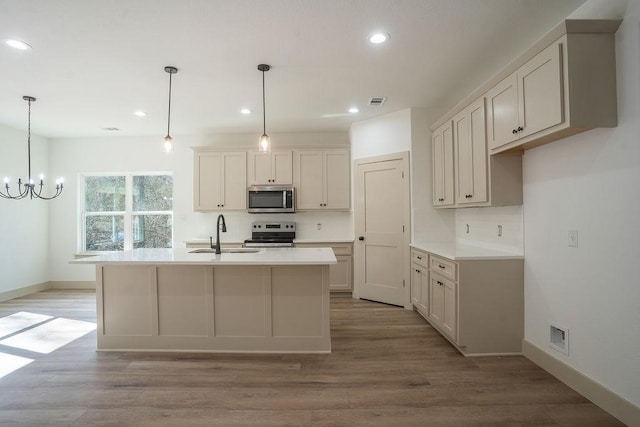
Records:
x=226, y=251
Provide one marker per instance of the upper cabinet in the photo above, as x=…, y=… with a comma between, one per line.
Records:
x=322, y=179
x=270, y=168
x=220, y=180
x=470, y=148
x=563, y=85
x=442, y=157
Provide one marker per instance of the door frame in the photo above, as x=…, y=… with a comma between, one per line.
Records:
x=358, y=259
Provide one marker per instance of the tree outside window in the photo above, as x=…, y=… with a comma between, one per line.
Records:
x=127, y=211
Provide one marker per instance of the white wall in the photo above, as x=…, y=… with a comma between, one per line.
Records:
x=483, y=228
x=72, y=157
x=24, y=224
x=590, y=182
x=408, y=130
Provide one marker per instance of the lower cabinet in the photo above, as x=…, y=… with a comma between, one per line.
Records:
x=340, y=274
x=477, y=304
x=443, y=305
x=420, y=281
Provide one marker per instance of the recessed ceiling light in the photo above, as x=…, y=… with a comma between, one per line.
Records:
x=354, y=110
x=377, y=38
x=140, y=113
x=245, y=111
x=17, y=44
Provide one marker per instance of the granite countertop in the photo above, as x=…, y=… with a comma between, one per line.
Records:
x=461, y=252
x=303, y=240
x=182, y=256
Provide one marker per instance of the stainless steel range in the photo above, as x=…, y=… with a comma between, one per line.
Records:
x=271, y=235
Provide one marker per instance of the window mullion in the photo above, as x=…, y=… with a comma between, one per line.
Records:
x=128, y=218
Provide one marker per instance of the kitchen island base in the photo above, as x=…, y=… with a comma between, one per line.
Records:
x=204, y=308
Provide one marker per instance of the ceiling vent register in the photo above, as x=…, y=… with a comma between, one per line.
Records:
x=376, y=101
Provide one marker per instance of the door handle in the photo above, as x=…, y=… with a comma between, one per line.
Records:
x=361, y=238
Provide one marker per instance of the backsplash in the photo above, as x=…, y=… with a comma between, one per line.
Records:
x=479, y=227
x=333, y=225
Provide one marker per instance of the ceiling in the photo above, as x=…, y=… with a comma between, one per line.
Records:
x=94, y=63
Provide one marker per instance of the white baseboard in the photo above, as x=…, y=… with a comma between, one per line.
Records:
x=20, y=292
x=607, y=399
x=73, y=285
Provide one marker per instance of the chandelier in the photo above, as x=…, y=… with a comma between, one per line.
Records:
x=28, y=188
x=264, y=144
x=169, y=145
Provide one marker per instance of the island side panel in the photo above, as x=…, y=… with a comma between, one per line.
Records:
x=216, y=309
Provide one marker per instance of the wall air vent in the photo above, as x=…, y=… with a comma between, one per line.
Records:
x=377, y=101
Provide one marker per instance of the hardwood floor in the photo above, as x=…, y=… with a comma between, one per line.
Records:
x=388, y=367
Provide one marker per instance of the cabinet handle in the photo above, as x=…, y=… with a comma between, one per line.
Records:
x=520, y=128
x=441, y=266
x=417, y=271
x=439, y=283
x=419, y=257
x=514, y=131
x=361, y=238
x=218, y=205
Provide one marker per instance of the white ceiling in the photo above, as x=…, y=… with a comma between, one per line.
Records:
x=94, y=63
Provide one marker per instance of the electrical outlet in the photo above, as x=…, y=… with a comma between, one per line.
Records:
x=467, y=228
x=499, y=231
x=318, y=226
x=573, y=238
x=559, y=338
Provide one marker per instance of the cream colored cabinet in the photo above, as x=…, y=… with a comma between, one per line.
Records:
x=220, y=181
x=322, y=179
x=477, y=304
x=442, y=161
x=270, y=168
x=566, y=88
x=470, y=153
x=528, y=101
x=340, y=274
x=420, y=281
x=443, y=304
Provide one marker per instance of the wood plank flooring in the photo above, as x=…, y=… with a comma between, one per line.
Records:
x=388, y=367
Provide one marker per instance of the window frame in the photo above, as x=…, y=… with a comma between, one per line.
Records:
x=128, y=213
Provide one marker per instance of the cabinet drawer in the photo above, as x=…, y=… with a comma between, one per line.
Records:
x=421, y=258
x=444, y=267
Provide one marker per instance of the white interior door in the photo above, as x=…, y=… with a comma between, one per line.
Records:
x=381, y=254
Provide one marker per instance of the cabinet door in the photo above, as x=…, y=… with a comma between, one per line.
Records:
x=442, y=160
x=309, y=178
x=416, y=285
x=443, y=305
x=340, y=274
x=463, y=153
x=206, y=188
x=423, y=304
x=540, y=91
x=282, y=167
x=259, y=168
x=502, y=105
x=234, y=181
x=337, y=180
x=479, y=156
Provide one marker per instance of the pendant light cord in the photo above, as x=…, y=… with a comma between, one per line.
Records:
x=29, y=142
x=264, y=112
x=169, y=113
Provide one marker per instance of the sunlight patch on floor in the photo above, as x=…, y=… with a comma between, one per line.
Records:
x=19, y=321
x=50, y=336
x=10, y=363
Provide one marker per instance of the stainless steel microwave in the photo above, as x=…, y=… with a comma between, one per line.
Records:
x=271, y=199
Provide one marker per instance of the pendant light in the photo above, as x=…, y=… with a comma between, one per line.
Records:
x=168, y=141
x=265, y=142
x=29, y=187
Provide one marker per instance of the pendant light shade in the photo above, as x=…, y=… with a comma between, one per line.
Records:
x=28, y=188
x=168, y=141
x=265, y=142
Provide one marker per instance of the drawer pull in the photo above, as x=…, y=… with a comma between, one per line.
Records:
x=417, y=271
x=419, y=257
x=439, y=283
x=441, y=266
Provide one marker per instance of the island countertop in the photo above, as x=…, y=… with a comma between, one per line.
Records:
x=182, y=256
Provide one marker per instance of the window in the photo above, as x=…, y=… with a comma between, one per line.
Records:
x=126, y=211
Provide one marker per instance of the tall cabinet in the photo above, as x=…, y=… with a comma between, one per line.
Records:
x=442, y=158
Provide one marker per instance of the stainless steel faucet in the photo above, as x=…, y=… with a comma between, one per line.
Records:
x=224, y=230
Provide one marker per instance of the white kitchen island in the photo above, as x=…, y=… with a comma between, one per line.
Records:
x=272, y=301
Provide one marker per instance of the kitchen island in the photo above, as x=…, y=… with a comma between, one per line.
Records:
x=269, y=301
